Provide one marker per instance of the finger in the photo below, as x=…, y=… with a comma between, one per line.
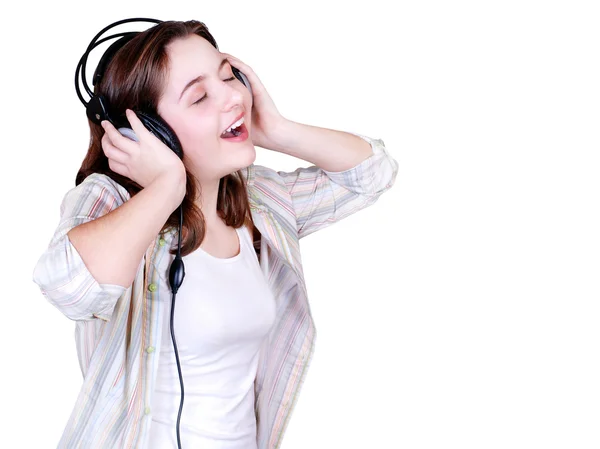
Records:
x=229, y=56
x=136, y=124
x=247, y=70
x=116, y=138
x=112, y=152
x=117, y=167
x=237, y=63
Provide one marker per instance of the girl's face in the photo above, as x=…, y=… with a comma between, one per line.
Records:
x=199, y=110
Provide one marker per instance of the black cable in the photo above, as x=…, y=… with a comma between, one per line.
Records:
x=176, y=275
x=178, y=370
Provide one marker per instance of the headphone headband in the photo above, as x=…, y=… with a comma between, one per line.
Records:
x=109, y=54
x=97, y=108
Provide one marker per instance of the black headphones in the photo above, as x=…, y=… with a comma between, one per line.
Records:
x=98, y=109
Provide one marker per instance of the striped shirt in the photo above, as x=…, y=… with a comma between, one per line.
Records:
x=117, y=328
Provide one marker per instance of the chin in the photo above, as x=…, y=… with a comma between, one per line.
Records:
x=243, y=158
x=248, y=155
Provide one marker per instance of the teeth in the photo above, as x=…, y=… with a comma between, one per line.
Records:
x=234, y=125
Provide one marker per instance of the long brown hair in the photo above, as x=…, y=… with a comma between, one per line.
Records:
x=134, y=79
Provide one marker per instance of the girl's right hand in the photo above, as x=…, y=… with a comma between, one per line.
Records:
x=144, y=161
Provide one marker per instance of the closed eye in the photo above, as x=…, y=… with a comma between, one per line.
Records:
x=199, y=100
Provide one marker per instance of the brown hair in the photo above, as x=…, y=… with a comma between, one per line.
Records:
x=134, y=79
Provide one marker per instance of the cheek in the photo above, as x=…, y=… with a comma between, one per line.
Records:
x=196, y=131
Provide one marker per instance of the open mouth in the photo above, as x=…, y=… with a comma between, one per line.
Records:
x=234, y=128
x=237, y=134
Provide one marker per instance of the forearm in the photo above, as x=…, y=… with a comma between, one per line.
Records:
x=112, y=246
x=328, y=149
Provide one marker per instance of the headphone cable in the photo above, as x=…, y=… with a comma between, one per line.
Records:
x=176, y=275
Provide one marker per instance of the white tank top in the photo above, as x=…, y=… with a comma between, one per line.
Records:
x=223, y=311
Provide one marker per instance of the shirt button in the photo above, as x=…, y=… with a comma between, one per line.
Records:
x=162, y=242
x=150, y=349
x=147, y=410
x=152, y=287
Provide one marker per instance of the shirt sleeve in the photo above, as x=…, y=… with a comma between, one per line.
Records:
x=60, y=272
x=321, y=198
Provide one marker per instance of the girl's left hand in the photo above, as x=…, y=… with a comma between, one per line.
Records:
x=266, y=119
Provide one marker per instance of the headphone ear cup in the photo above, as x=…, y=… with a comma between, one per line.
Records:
x=162, y=130
x=128, y=132
x=243, y=78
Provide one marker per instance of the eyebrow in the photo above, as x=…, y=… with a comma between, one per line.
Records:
x=200, y=78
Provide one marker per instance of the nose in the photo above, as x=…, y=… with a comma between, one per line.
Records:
x=233, y=97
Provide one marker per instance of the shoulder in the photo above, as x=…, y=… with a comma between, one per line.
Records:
x=96, y=182
x=265, y=181
x=96, y=192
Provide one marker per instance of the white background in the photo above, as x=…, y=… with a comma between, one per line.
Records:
x=460, y=310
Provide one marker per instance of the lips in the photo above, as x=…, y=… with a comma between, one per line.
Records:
x=241, y=136
x=235, y=120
